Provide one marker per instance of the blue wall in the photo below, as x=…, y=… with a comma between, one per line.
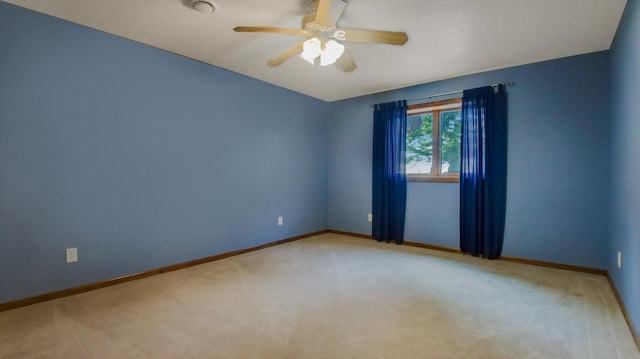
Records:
x=557, y=163
x=625, y=155
x=140, y=158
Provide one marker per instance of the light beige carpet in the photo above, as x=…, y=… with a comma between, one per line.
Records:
x=332, y=296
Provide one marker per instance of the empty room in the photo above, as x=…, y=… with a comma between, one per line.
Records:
x=320, y=179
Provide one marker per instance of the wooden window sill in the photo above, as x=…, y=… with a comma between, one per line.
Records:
x=440, y=179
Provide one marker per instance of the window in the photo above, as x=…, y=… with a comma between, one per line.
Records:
x=433, y=141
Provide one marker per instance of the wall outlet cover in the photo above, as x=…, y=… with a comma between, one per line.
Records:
x=72, y=255
x=619, y=259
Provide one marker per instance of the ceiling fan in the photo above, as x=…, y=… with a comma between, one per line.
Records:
x=324, y=38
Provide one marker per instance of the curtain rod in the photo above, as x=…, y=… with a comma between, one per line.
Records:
x=508, y=83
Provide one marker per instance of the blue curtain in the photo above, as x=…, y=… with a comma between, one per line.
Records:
x=389, y=177
x=483, y=175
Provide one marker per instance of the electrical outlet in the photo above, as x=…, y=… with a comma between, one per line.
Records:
x=72, y=255
x=370, y=217
x=280, y=221
x=619, y=259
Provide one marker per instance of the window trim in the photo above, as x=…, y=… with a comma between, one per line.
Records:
x=435, y=107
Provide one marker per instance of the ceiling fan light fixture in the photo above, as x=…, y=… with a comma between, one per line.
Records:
x=203, y=6
x=313, y=48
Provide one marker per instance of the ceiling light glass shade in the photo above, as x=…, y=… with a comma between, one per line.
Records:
x=311, y=50
x=331, y=53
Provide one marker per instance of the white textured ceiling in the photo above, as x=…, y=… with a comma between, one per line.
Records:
x=447, y=38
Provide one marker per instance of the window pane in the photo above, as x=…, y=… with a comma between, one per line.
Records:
x=419, y=143
x=450, y=135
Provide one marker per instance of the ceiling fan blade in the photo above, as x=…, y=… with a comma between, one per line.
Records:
x=345, y=62
x=329, y=11
x=378, y=37
x=297, y=49
x=275, y=30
